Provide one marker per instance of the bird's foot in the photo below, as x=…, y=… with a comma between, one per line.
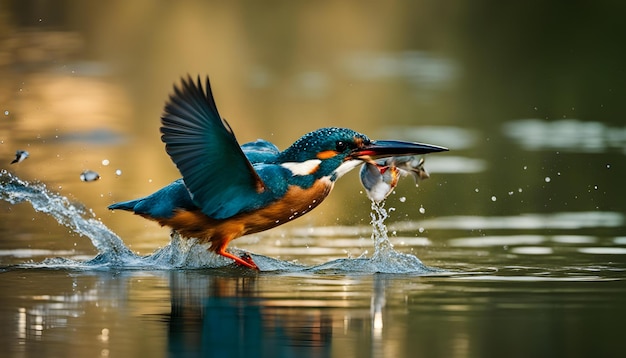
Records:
x=245, y=257
x=244, y=260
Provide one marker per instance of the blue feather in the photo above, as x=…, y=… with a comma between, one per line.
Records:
x=260, y=151
x=205, y=150
x=161, y=204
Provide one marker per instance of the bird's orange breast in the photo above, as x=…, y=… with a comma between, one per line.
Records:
x=295, y=203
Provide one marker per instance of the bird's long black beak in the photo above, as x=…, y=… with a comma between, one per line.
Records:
x=393, y=148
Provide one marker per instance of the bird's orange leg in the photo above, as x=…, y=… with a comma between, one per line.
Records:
x=246, y=260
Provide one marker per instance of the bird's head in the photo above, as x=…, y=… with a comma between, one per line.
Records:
x=332, y=152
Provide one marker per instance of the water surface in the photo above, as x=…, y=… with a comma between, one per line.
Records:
x=389, y=303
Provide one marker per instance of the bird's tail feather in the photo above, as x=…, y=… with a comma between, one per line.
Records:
x=124, y=205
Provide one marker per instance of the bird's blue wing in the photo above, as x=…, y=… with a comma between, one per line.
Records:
x=260, y=151
x=205, y=150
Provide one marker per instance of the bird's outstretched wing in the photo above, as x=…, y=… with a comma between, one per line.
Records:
x=219, y=177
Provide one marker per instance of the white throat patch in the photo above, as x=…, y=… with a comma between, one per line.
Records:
x=346, y=167
x=305, y=168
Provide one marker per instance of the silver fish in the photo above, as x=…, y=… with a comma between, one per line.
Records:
x=89, y=175
x=380, y=177
x=20, y=155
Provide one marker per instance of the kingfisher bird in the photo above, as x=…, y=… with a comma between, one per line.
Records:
x=227, y=190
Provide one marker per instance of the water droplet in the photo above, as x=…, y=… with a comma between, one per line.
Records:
x=525, y=167
x=421, y=230
x=547, y=179
x=422, y=210
x=511, y=192
x=105, y=162
x=476, y=190
x=402, y=199
x=519, y=190
x=595, y=187
x=608, y=166
x=6, y=113
x=493, y=198
x=118, y=172
x=89, y=175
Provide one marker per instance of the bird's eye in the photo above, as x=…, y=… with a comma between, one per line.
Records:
x=340, y=146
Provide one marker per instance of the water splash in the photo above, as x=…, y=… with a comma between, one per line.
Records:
x=109, y=245
x=187, y=253
x=385, y=258
x=112, y=252
x=382, y=245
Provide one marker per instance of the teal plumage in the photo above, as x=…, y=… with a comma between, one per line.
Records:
x=228, y=190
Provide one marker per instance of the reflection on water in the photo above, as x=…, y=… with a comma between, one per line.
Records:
x=213, y=314
x=232, y=319
x=225, y=313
